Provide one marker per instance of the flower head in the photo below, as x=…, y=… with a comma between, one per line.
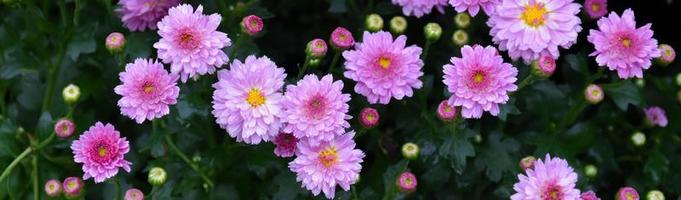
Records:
x=473, y=6
x=134, y=194
x=627, y=193
x=432, y=31
x=316, y=109
x=147, y=90
x=531, y=28
x=341, y=38
x=596, y=8
x=406, y=182
x=373, y=22
x=320, y=167
x=623, y=47
x=656, y=116
x=368, y=117
x=446, y=112
x=398, y=25
x=247, y=99
x=589, y=195
x=594, y=94
x=190, y=42
x=139, y=15
x=655, y=195
x=102, y=151
x=544, y=66
x=410, y=151
x=418, y=8
x=316, y=48
x=73, y=186
x=479, y=81
x=53, y=188
x=668, y=54
x=251, y=25
x=157, y=176
x=64, y=128
x=71, y=93
x=549, y=179
x=285, y=145
x=384, y=68
x=115, y=42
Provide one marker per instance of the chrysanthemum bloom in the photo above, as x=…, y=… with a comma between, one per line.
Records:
x=64, y=128
x=102, y=151
x=316, y=48
x=71, y=94
x=139, y=15
x=134, y=194
x=341, y=39
x=623, y=47
x=53, y=188
x=384, y=68
x=479, y=81
x=316, y=109
x=246, y=101
x=251, y=25
x=410, y=151
x=668, y=54
x=368, y=117
x=596, y=8
x=72, y=187
x=321, y=167
x=285, y=145
x=527, y=162
x=473, y=6
x=190, y=42
x=550, y=179
x=406, y=182
x=593, y=94
x=418, y=8
x=627, y=193
x=656, y=116
x=589, y=195
x=115, y=42
x=445, y=112
x=529, y=29
x=544, y=66
x=147, y=90
x=157, y=176
x=655, y=195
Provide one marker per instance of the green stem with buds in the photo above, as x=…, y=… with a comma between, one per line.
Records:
x=336, y=57
x=191, y=164
x=426, y=49
x=304, y=68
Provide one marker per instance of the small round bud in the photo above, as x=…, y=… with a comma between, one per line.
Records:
x=640, y=83
x=668, y=55
x=627, y=193
x=590, y=171
x=316, y=48
x=157, y=176
x=589, y=195
x=196, y=158
x=678, y=79
x=527, y=162
x=407, y=182
x=315, y=62
x=20, y=130
x=462, y=20
x=445, y=112
x=341, y=39
x=251, y=25
x=73, y=187
x=433, y=31
x=460, y=38
x=478, y=138
x=115, y=42
x=544, y=66
x=638, y=139
x=64, y=128
x=71, y=93
x=134, y=194
x=374, y=22
x=53, y=188
x=368, y=117
x=655, y=195
x=593, y=94
x=410, y=151
x=398, y=25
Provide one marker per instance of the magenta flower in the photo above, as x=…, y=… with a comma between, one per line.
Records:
x=190, y=42
x=285, y=145
x=479, y=81
x=419, y=8
x=445, y=112
x=102, y=151
x=529, y=29
x=627, y=193
x=139, y=15
x=551, y=178
x=64, y=128
x=596, y=8
x=622, y=47
x=544, y=66
x=133, y=194
x=668, y=54
x=656, y=116
x=147, y=90
x=384, y=68
x=115, y=42
x=316, y=48
x=247, y=99
x=407, y=182
x=589, y=195
x=368, y=117
x=320, y=167
x=72, y=187
x=473, y=6
x=252, y=25
x=53, y=188
x=316, y=109
x=341, y=38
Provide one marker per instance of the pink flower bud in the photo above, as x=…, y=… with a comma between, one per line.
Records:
x=668, y=54
x=342, y=39
x=251, y=25
x=368, y=117
x=407, y=182
x=627, y=193
x=593, y=94
x=527, y=162
x=590, y=195
x=134, y=194
x=544, y=66
x=72, y=187
x=446, y=112
x=53, y=188
x=64, y=128
x=316, y=48
x=115, y=42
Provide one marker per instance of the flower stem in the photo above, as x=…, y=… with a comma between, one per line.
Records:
x=304, y=68
x=23, y=155
x=36, y=188
x=336, y=57
x=426, y=49
x=191, y=164
x=118, y=188
x=528, y=79
x=354, y=193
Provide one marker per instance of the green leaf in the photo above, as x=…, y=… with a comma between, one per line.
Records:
x=456, y=148
x=656, y=166
x=338, y=6
x=83, y=42
x=623, y=93
x=496, y=158
x=45, y=125
x=508, y=108
x=391, y=175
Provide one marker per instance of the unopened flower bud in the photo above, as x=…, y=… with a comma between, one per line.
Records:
x=589, y=195
x=544, y=66
x=640, y=83
x=157, y=176
x=115, y=42
x=678, y=79
x=64, y=128
x=668, y=55
x=462, y=20
x=590, y=171
x=433, y=31
x=638, y=139
x=316, y=48
x=72, y=187
x=407, y=182
x=410, y=151
x=478, y=138
x=593, y=94
x=368, y=117
x=460, y=38
x=627, y=193
x=527, y=162
x=251, y=25
x=134, y=194
x=446, y=112
x=655, y=195
x=398, y=25
x=71, y=93
x=374, y=22
x=341, y=39
x=53, y=188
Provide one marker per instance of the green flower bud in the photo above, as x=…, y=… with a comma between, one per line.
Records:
x=640, y=83
x=638, y=138
x=478, y=138
x=398, y=25
x=71, y=93
x=374, y=22
x=460, y=38
x=315, y=62
x=655, y=195
x=433, y=31
x=157, y=176
x=410, y=151
x=590, y=170
x=678, y=79
x=462, y=20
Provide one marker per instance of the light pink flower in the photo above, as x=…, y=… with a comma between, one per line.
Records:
x=419, y=8
x=549, y=179
x=446, y=112
x=139, y=15
x=101, y=150
x=590, y=195
x=627, y=193
x=64, y=128
x=133, y=194
x=341, y=38
x=473, y=6
x=596, y=8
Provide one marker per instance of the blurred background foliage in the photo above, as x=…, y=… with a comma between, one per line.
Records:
x=45, y=45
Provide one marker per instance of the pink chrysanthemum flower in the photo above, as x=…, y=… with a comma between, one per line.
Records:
x=418, y=8
x=479, y=81
x=406, y=182
x=596, y=8
x=190, y=42
x=589, y=195
x=147, y=89
x=133, y=194
x=627, y=193
x=656, y=116
x=285, y=145
x=531, y=28
x=550, y=179
x=473, y=6
x=622, y=47
x=341, y=38
x=101, y=150
x=139, y=15
x=247, y=97
x=446, y=112
x=316, y=109
x=384, y=68
x=321, y=167
x=64, y=128
x=369, y=117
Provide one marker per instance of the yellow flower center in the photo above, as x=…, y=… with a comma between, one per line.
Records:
x=255, y=97
x=51, y=187
x=328, y=157
x=384, y=62
x=595, y=7
x=668, y=52
x=72, y=185
x=102, y=151
x=448, y=109
x=595, y=93
x=148, y=88
x=370, y=117
x=630, y=196
x=626, y=42
x=478, y=77
x=534, y=15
